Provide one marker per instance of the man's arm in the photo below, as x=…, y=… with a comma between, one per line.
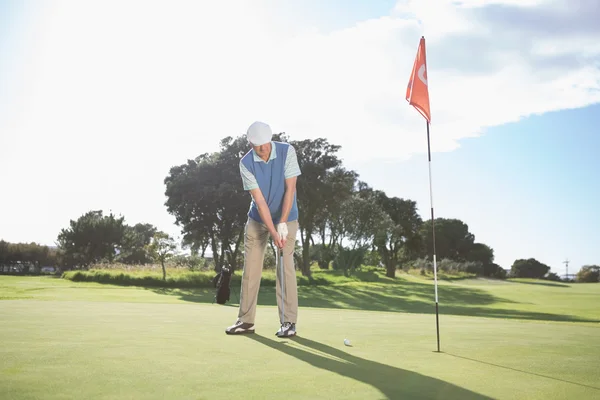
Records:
x=288, y=198
x=263, y=210
x=292, y=170
x=251, y=185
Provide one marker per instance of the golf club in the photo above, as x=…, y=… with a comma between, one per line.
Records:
x=282, y=276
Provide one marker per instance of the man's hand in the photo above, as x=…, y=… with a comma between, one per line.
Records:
x=282, y=230
x=265, y=215
x=288, y=199
x=277, y=239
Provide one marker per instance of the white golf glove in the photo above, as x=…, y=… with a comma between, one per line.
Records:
x=282, y=230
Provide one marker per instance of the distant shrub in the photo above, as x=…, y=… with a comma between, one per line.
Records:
x=450, y=267
x=500, y=273
x=373, y=258
x=529, y=268
x=494, y=271
x=191, y=262
x=588, y=274
x=182, y=279
x=348, y=260
x=551, y=276
x=421, y=264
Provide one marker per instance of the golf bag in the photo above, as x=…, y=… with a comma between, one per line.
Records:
x=221, y=282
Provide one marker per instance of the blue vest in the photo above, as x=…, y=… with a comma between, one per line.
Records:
x=271, y=181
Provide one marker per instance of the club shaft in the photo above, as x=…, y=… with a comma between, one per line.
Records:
x=282, y=279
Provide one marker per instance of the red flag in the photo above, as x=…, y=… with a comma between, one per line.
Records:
x=417, y=92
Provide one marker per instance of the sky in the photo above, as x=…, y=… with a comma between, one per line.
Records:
x=98, y=99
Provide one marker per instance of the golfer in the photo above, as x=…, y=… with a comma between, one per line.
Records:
x=269, y=172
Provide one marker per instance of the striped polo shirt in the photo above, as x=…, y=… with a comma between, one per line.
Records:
x=270, y=177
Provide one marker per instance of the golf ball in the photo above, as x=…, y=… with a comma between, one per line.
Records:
x=346, y=342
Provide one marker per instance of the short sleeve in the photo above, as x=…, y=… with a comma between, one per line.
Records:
x=248, y=179
x=291, y=163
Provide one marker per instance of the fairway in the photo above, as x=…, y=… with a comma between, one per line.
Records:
x=65, y=340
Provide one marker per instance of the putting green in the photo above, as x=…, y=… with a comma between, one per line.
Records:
x=105, y=342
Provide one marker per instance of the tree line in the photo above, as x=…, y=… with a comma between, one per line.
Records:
x=92, y=238
x=341, y=218
x=343, y=222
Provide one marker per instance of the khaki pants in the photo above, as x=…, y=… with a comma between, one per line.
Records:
x=256, y=238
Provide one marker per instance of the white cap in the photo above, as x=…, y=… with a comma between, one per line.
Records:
x=259, y=133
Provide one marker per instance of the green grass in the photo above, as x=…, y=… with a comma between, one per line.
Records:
x=408, y=292
x=499, y=339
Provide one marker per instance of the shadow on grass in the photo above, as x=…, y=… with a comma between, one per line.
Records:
x=392, y=382
x=525, y=372
x=542, y=283
x=404, y=296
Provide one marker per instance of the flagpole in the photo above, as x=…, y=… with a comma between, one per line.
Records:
x=437, y=320
x=417, y=95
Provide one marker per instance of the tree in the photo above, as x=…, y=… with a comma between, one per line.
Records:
x=588, y=273
x=452, y=239
x=135, y=240
x=360, y=222
x=400, y=232
x=482, y=253
x=91, y=238
x=208, y=201
x=196, y=243
x=4, y=252
x=316, y=158
x=493, y=270
x=529, y=268
x=30, y=257
x=338, y=188
x=161, y=248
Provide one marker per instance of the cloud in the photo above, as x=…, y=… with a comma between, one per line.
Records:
x=190, y=71
x=493, y=64
x=559, y=19
x=111, y=94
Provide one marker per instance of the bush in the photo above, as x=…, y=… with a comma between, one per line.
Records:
x=191, y=262
x=529, y=268
x=321, y=255
x=269, y=262
x=142, y=278
x=500, y=273
x=203, y=279
x=588, y=273
x=373, y=258
x=421, y=264
x=349, y=260
x=551, y=276
x=448, y=266
x=494, y=271
x=453, y=267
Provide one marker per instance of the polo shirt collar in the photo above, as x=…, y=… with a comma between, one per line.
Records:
x=272, y=156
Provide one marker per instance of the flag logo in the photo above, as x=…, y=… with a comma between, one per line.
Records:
x=423, y=74
x=417, y=92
